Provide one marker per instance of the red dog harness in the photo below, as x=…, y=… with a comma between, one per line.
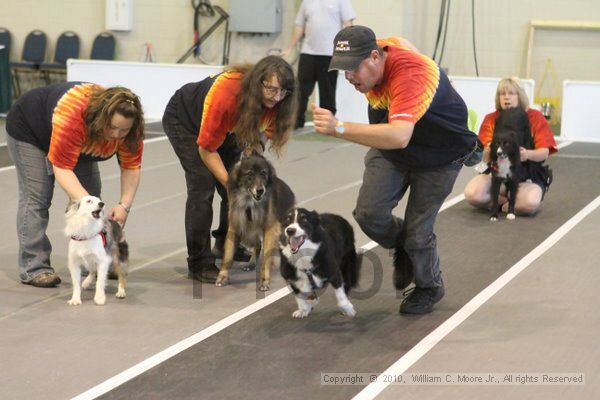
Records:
x=102, y=234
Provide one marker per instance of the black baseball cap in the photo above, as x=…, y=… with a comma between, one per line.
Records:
x=351, y=46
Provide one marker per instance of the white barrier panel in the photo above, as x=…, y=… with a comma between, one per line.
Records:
x=479, y=93
x=352, y=105
x=154, y=83
x=580, y=119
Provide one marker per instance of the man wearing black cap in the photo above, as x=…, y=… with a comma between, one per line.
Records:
x=419, y=139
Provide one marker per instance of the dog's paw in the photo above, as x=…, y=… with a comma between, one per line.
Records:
x=222, y=279
x=74, y=302
x=301, y=313
x=266, y=285
x=493, y=218
x=120, y=293
x=348, y=309
x=510, y=216
x=100, y=299
x=249, y=267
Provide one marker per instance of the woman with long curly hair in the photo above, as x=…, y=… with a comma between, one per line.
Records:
x=60, y=132
x=208, y=123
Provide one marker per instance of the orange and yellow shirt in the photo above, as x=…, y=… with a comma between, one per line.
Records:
x=220, y=114
x=69, y=134
x=410, y=81
x=51, y=119
x=540, y=130
x=416, y=90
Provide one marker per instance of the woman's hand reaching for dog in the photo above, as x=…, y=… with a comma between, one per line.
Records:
x=118, y=214
x=524, y=154
x=537, y=155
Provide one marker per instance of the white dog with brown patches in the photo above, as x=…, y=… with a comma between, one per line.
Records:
x=95, y=243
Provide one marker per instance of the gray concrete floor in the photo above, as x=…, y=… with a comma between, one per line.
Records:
x=53, y=351
x=544, y=321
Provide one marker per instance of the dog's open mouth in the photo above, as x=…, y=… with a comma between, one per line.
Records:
x=96, y=214
x=296, y=242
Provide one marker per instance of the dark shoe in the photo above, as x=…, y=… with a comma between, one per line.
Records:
x=403, y=269
x=241, y=255
x=44, y=280
x=421, y=300
x=207, y=274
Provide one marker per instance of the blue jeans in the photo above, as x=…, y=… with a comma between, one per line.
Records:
x=385, y=182
x=36, y=188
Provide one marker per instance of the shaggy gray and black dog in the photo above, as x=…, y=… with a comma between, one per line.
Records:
x=258, y=201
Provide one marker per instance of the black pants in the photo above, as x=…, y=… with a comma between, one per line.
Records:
x=313, y=69
x=201, y=185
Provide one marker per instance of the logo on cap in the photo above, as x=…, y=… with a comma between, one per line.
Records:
x=342, y=45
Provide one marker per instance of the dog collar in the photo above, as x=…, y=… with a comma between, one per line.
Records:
x=102, y=234
x=494, y=167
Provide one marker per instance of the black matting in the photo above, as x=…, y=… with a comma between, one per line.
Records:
x=270, y=355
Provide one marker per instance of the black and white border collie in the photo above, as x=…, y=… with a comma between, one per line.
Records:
x=505, y=164
x=511, y=131
x=318, y=249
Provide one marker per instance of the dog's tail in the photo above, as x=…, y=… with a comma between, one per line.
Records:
x=350, y=267
x=118, y=235
x=123, y=252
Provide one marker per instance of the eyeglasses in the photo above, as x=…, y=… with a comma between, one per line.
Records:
x=272, y=91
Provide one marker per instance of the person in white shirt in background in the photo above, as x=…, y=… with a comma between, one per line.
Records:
x=318, y=21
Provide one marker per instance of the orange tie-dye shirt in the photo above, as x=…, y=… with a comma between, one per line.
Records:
x=220, y=114
x=410, y=81
x=69, y=134
x=540, y=130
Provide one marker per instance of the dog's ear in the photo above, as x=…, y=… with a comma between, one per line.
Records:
x=233, y=175
x=258, y=149
x=315, y=218
x=272, y=172
x=72, y=208
x=494, y=147
x=252, y=151
x=247, y=152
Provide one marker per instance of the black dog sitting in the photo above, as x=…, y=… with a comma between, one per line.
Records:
x=511, y=132
x=505, y=165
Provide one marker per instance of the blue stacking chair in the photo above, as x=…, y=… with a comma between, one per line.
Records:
x=34, y=54
x=67, y=46
x=103, y=47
